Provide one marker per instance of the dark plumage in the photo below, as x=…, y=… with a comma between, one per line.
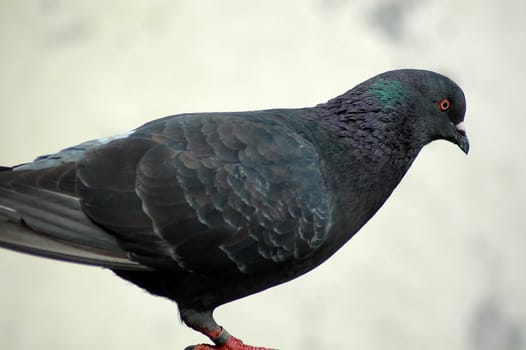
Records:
x=207, y=208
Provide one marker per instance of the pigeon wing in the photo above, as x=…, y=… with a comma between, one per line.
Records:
x=209, y=193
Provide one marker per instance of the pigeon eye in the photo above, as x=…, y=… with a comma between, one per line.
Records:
x=444, y=104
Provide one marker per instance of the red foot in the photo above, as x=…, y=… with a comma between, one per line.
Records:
x=231, y=344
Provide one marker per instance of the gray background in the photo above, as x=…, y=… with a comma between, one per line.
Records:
x=441, y=266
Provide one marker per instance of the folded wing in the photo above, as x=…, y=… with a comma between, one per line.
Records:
x=208, y=193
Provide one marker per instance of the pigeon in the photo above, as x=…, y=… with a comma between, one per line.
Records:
x=207, y=208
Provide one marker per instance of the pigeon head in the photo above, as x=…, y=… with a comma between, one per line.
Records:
x=415, y=106
x=433, y=105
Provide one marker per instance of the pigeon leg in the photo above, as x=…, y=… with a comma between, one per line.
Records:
x=204, y=322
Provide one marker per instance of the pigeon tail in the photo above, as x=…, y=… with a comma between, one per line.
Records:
x=58, y=230
x=21, y=238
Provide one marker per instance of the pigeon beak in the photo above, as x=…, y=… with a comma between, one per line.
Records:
x=461, y=138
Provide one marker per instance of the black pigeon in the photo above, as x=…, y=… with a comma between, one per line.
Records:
x=207, y=208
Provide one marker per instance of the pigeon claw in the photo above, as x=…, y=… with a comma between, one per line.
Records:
x=231, y=344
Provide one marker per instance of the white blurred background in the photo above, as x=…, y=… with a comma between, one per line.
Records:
x=441, y=266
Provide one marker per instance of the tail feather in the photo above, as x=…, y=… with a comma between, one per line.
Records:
x=21, y=238
x=60, y=216
x=52, y=224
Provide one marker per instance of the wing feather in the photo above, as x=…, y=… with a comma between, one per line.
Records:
x=253, y=185
x=214, y=194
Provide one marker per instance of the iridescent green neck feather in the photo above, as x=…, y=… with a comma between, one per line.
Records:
x=390, y=92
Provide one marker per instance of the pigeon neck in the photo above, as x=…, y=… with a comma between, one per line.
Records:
x=369, y=131
x=363, y=155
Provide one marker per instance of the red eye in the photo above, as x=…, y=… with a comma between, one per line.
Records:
x=444, y=104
